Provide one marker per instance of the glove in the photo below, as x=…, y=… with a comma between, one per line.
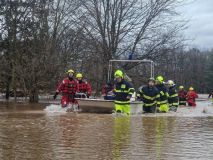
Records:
x=55, y=95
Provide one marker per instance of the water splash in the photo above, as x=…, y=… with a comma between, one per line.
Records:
x=57, y=108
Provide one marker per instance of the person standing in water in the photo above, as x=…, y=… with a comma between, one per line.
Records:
x=182, y=96
x=123, y=92
x=173, y=96
x=191, y=96
x=150, y=96
x=84, y=86
x=68, y=87
x=163, y=106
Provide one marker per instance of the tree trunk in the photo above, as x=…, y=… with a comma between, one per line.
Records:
x=7, y=91
x=34, y=95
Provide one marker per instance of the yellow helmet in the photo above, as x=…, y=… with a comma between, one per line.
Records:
x=181, y=87
x=70, y=71
x=160, y=79
x=118, y=73
x=79, y=75
x=191, y=88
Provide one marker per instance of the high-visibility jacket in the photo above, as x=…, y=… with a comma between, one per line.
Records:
x=149, y=95
x=122, y=90
x=163, y=94
x=84, y=87
x=173, y=97
x=68, y=86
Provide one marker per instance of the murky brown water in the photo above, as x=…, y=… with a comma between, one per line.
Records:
x=34, y=134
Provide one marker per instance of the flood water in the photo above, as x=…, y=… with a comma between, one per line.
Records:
x=27, y=132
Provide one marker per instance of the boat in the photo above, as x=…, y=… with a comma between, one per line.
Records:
x=105, y=106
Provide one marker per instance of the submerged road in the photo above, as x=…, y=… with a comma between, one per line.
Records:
x=28, y=132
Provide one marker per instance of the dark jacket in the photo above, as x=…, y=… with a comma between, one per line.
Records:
x=163, y=93
x=173, y=97
x=121, y=91
x=149, y=95
x=211, y=95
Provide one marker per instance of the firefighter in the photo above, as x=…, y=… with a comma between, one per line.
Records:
x=182, y=96
x=163, y=101
x=123, y=92
x=150, y=96
x=68, y=87
x=84, y=87
x=173, y=96
x=191, y=96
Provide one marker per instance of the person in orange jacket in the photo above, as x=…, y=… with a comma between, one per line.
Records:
x=84, y=86
x=191, y=96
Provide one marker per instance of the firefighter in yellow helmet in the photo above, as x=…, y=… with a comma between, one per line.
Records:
x=163, y=100
x=84, y=86
x=182, y=96
x=123, y=92
x=191, y=96
x=68, y=87
x=173, y=96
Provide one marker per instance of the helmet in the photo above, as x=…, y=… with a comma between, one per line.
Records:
x=151, y=79
x=70, y=71
x=181, y=87
x=118, y=73
x=160, y=79
x=191, y=88
x=170, y=83
x=79, y=75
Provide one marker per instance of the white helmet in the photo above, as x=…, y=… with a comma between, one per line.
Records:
x=170, y=83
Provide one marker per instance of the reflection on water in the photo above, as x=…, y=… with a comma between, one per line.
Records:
x=34, y=134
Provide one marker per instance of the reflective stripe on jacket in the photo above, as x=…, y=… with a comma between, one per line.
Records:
x=122, y=90
x=149, y=95
x=163, y=93
x=173, y=97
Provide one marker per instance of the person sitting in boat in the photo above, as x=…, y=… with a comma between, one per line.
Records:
x=172, y=96
x=191, y=96
x=107, y=91
x=68, y=87
x=150, y=95
x=85, y=89
x=182, y=96
x=123, y=92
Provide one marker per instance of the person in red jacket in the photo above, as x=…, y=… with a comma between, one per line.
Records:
x=107, y=91
x=84, y=87
x=182, y=96
x=191, y=96
x=68, y=87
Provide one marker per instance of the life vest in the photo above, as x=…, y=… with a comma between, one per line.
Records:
x=191, y=95
x=84, y=87
x=182, y=94
x=68, y=86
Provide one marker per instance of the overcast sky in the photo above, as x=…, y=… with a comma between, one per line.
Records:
x=200, y=14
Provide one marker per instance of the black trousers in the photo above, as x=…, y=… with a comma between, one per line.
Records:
x=149, y=109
